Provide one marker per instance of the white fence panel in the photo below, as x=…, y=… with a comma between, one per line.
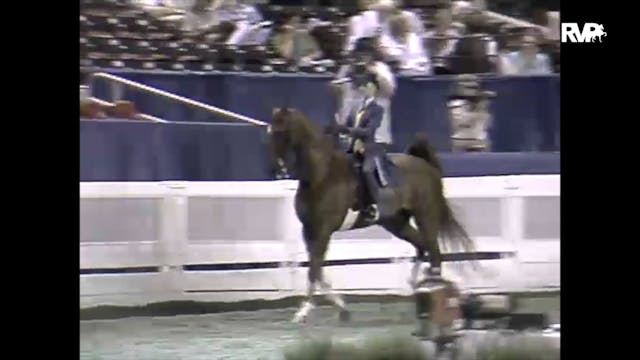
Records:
x=241, y=240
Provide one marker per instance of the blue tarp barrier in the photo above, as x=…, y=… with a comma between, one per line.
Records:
x=114, y=150
x=141, y=151
x=526, y=110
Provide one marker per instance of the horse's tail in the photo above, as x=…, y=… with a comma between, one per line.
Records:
x=451, y=229
x=422, y=148
x=455, y=236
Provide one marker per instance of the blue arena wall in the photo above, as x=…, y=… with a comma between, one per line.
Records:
x=114, y=150
x=526, y=111
x=203, y=147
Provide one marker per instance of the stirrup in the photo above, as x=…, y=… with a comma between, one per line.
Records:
x=372, y=212
x=434, y=272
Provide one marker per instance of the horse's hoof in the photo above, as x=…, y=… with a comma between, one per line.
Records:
x=299, y=320
x=345, y=316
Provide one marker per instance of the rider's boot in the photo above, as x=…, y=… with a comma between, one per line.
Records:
x=384, y=196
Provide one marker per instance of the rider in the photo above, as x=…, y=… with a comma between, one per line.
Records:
x=365, y=59
x=363, y=144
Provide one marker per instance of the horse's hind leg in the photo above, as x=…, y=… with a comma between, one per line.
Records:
x=401, y=227
x=429, y=226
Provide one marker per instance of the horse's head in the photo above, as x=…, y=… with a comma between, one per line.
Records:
x=285, y=134
x=292, y=132
x=280, y=132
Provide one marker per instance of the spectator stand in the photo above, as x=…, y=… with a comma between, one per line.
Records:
x=115, y=36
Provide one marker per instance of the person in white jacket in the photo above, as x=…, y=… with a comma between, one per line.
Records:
x=406, y=47
x=375, y=21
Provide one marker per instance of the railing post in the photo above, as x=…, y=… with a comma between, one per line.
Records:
x=117, y=92
x=512, y=224
x=174, y=237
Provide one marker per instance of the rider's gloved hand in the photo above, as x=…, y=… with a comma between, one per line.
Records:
x=342, y=129
x=333, y=129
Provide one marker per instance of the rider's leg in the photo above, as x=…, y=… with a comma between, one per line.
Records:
x=383, y=196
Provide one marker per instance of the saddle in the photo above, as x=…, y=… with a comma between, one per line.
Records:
x=386, y=173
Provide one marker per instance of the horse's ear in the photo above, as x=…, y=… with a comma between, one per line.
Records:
x=278, y=117
x=291, y=111
x=275, y=111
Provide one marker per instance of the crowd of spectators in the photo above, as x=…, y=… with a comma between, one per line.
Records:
x=414, y=37
x=435, y=37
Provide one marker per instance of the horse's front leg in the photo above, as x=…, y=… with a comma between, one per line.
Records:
x=336, y=300
x=307, y=305
x=316, y=242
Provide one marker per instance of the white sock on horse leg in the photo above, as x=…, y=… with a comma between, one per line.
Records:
x=335, y=298
x=304, y=311
x=415, y=270
x=307, y=305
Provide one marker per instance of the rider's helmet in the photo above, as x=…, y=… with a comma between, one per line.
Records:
x=364, y=48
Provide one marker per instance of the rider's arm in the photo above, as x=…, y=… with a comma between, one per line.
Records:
x=369, y=131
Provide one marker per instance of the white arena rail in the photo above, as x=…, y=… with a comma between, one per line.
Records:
x=231, y=241
x=120, y=81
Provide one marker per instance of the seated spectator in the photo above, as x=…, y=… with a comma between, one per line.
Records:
x=227, y=21
x=375, y=20
x=460, y=10
x=294, y=43
x=249, y=28
x=414, y=21
x=199, y=17
x=486, y=52
x=405, y=47
x=442, y=40
x=527, y=61
x=508, y=39
x=168, y=10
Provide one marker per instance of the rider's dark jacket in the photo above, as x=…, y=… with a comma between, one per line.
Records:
x=362, y=127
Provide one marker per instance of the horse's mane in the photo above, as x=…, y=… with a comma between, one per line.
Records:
x=313, y=131
x=329, y=159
